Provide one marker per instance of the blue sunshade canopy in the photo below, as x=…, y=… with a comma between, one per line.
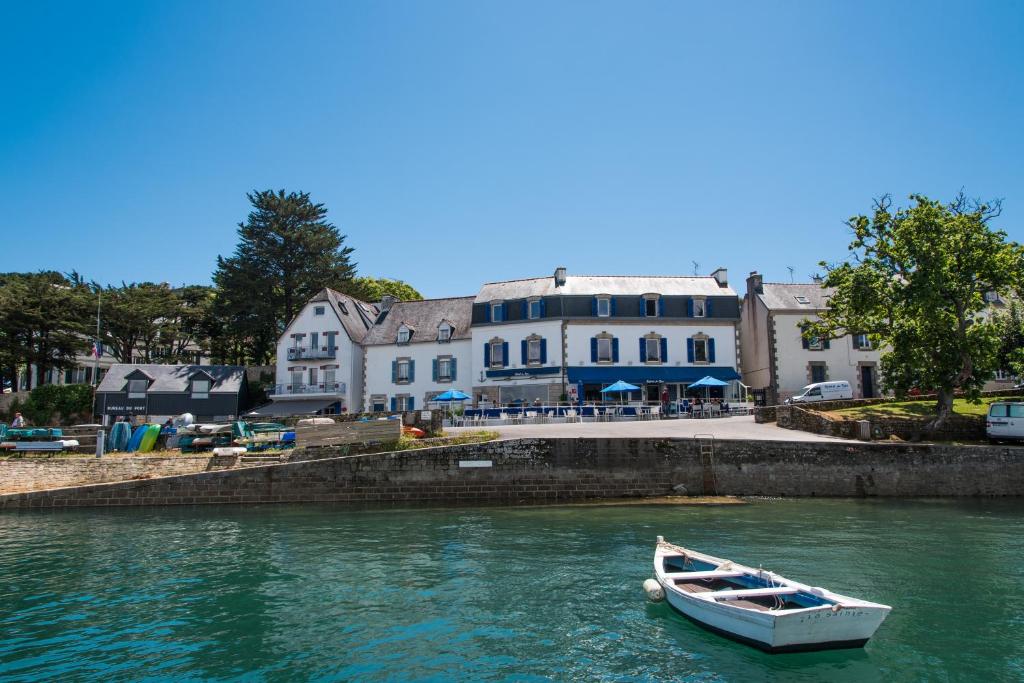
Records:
x=708, y=381
x=451, y=395
x=620, y=386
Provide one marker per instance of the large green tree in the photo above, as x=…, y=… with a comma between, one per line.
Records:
x=916, y=282
x=374, y=289
x=286, y=252
x=136, y=318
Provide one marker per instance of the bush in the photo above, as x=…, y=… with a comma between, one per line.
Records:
x=64, y=402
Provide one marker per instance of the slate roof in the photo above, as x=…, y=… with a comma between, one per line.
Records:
x=589, y=285
x=782, y=297
x=356, y=316
x=227, y=379
x=423, y=317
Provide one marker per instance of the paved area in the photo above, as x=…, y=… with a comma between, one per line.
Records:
x=739, y=427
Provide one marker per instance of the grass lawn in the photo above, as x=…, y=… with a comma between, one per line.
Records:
x=910, y=409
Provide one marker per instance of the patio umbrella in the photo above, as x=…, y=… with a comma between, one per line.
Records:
x=450, y=396
x=620, y=387
x=707, y=382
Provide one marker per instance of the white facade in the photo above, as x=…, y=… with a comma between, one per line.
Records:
x=515, y=377
x=385, y=390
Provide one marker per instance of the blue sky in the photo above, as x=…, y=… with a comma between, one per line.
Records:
x=463, y=142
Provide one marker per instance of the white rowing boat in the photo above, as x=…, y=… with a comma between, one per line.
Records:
x=759, y=607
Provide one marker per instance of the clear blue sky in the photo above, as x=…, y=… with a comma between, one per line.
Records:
x=463, y=142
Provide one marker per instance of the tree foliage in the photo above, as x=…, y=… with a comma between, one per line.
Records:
x=375, y=288
x=916, y=282
x=287, y=251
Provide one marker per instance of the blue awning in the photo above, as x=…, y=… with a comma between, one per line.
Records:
x=646, y=374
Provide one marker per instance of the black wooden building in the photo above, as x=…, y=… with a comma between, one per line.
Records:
x=209, y=392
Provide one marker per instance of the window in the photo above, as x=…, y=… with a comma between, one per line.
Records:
x=402, y=402
x=533, y=351
x=652, y=350
x=861, y=341
x=604, y=307
x=444, y=369
x=816, y=391
x=444, y=332
x=604, y=350
x=699, y=308
x=818, y=373
x=1016, y=410
x=700, y=350
x=651, y=307
x=497, y=312
x=200, y=388
x=803, y=300
x=815, y=344
x=318, y=310
x=403, y=371
x=533, y=309
x=378, y=403
x=137, y=388
x=497, y=354
x=404, y=334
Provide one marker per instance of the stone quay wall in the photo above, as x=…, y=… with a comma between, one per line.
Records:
x=562, y=470
x=33, y=474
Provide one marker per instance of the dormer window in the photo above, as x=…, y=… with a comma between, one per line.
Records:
x=650, y=306
x=533, y=307
x=700, y=308
x=497, y=311
x=444, y=332
x=604, y=306
x=404, y=335
x=137, y=388
x=200, y=388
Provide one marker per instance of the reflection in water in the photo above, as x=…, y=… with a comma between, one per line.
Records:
x=332, y=593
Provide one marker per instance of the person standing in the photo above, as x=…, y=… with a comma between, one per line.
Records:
x=664, y=402
x=18, y=421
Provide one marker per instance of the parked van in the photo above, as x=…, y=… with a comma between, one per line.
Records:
x=823, y=391
x=1005, y=420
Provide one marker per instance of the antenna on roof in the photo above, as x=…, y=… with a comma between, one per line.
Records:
x=696, y=267
x=790, y=269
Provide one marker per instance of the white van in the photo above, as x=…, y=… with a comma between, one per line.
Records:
x=823, y=391
x=1005, y=420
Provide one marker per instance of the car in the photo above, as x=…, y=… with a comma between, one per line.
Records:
x=823, y=391
x=1005, y=420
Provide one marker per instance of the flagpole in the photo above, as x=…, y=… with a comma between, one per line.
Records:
x=96, y=344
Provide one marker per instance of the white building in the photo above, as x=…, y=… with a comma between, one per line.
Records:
x=415, y=351
x=320, y=357
x=545, y=338
x=777, y=359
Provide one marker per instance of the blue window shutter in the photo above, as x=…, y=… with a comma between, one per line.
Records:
x=453, y=369
x=643, y=307
x=689, y=350
x=615, y=350
x=661, y=307
x=711, y=350
x=433, y=365
x=803, y=340
x=412, y=403
x=394, y=404
x=487, y=355
x=543, y=351
x=501, y=313
x=828, y=343
x=643, y=350
x=522, y=346
x=412, y=371
x=525, y=310
x=543, y=308
x=707, y=308
x=689, y=308
x=593, y=349
x=487, y=312
x=394, y=372
x=611, y=307
x=504, y=354
x=664, y=349
x=593, y=307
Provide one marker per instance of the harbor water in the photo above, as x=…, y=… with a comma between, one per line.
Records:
x=298, y=593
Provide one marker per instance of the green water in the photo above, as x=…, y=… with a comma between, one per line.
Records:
x=329, y=593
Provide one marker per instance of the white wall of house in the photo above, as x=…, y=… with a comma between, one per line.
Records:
x=346, y=365
x=514, y=334
x=578, y=338
x=379, y=359
x=842, y=361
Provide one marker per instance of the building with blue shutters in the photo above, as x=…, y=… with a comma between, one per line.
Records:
x=553, y=337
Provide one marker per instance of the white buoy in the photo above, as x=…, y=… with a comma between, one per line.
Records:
x=654, y=591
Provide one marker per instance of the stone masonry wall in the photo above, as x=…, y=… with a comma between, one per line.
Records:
x=557, y=470
x=31, y=474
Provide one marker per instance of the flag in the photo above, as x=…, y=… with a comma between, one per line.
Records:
x=97, y=349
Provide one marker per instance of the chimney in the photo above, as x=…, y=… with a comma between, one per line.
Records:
x=386, y=302
x=721, y=276
x=755, y=282
x=560, y=276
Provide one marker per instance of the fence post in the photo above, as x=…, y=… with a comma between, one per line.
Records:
x=100, y=442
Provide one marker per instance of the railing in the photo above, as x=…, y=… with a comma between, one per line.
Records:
x=311, y=353
x=303, y=389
